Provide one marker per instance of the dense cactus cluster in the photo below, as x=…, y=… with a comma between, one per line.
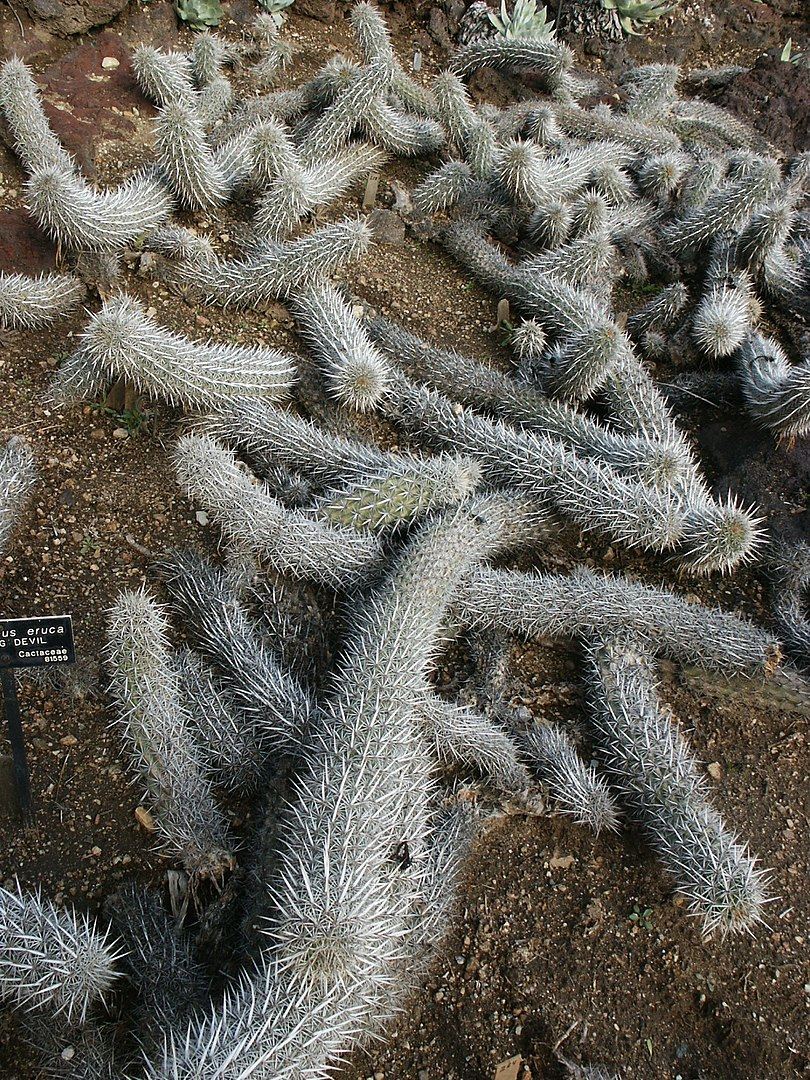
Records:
x=350, y=875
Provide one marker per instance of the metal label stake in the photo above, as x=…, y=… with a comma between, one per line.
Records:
x=35, y=642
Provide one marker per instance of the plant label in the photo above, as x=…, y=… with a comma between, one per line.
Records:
x=37, y=641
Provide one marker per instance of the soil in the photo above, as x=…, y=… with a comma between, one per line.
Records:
x=563, y=945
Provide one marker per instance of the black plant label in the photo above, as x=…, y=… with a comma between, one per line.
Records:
x=37, y=641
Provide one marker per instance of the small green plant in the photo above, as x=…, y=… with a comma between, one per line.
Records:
x=632, y=13
x=197, y=14
x=276, y=9
x=130, y=419
x=641, y=917
x=507, y=330
x=790, y=56
x=525, y=21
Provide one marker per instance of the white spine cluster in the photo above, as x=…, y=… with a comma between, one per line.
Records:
x=776, y=392
x=17, y=478
x=585, y=603
x=356, y=372
x=274, y=706
x=577, y=788
x=34, y=142
x=291, y=541
x=122, y=340
x=27, y=303
x=661, y=788
x=146, y=688
x=276, y=270
x=52, y=959
x=83, y=219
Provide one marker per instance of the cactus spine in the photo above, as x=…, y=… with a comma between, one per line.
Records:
x=147, y=691
x=52, y=959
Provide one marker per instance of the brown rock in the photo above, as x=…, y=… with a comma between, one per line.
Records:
x=23, y=249
x=388, y=227
x=65, y=17
x=316, y=9
x=774, y=97
x=86, y=102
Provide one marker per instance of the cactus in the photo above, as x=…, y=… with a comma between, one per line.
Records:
x=700, y=121
x=484, y=388
x=158, y=960
x=708, y=536
x=660, y=313
x=399, y=496
x=52, y=959
x=272, y=704
x=650, y=91
x=66, y=1052
x=595, y=345
x=122, y=340
x=33, y=140
x=185, y=159
x=790, y=580
x=462, y=736
x=726, y=210
x=17, y=478
x=445, y=187
x=165, y=78
x=721, y=321
x=584, y=603
x=230, y=745
x=451, y=838
x=209, y=55
x=291, y=541
x=661, y=175
x=146, y=688
x=341, y=902
x=588, y=260
x=214, y=101
x=577, y=789
x=343, y=116
x=369, y=27
x=550, y=225
x=300, y=190
x=659, y=785
x=601, y=124
x=375, y=795
x=284, y=438
x=27, y=303
x=276, y=270
x=81, y=218
x=776, y=392
x=542, y=56
x=356, y=372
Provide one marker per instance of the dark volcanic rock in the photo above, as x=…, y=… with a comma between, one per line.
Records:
x=774, y=97
x=74, y=16
x=23, y=248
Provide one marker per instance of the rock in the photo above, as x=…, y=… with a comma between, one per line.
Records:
x=65, y=17
x=561, y=862
x=23, y=249
x=388, y=227
x=88, y=102
x=774, y=98
x=316, y=9
x=714, y=770
x=145, y=819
